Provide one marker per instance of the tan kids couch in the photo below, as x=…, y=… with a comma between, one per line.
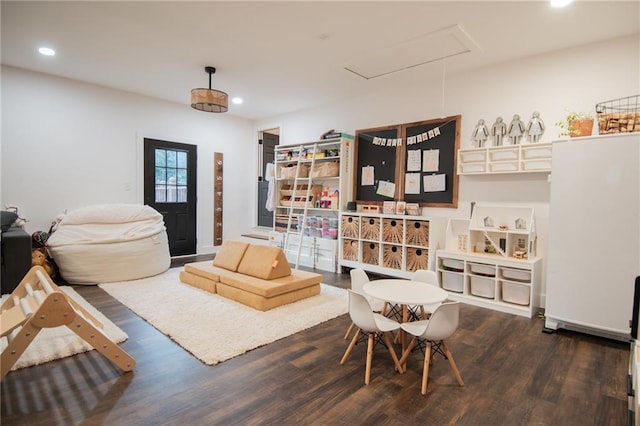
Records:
x=258, y=276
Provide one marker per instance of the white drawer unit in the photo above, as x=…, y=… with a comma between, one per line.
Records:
x=523, y=158
x=492, y=281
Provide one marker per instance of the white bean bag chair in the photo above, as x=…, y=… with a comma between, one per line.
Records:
x=110, y=242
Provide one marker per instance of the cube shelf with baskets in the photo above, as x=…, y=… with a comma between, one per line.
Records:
x=393, y=245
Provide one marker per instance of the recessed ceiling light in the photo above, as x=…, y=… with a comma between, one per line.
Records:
x=237, y=101
x=46, y=51
x=560, y=3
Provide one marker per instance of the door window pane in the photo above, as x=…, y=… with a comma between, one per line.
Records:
x=161, y=193
x=161, y=157
x=161, y=175
x=182, y=194
x=182, y=160
x=182, y=176
x=171, y=158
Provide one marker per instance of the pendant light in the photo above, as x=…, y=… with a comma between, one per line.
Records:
x=209, y=100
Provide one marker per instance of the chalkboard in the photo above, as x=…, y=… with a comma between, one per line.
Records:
x=368, y=153
x=436, y=143
x=397, y=154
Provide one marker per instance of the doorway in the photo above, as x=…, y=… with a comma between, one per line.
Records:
x=270, y=139
x=170, y=188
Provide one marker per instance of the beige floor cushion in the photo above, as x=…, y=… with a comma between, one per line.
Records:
x=264, y=262
x=265, y=303
x=230, y=255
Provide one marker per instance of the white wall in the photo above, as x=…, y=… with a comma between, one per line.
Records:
x=552, y=84
x=67, y=144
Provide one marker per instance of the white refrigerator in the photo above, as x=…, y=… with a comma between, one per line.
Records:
x=594, y=234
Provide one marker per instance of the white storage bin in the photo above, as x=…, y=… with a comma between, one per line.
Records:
x=452, y=281
x=513, y=274
x=504, y=154
x=542, y=164
x=472, y=168
x=515, y=293
x=533, y=151
x=483, y=287
x=473, y=156
x=505, y=166
x=479, y=268
x=453, y=264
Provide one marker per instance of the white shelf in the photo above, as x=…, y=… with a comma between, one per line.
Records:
x=523, y=158
x=489, y=260
x=331, y=168
x=491, y=281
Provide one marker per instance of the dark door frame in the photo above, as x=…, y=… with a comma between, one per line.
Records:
x=180, y=217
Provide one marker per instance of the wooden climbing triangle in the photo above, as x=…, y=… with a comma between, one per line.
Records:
x=38, y=303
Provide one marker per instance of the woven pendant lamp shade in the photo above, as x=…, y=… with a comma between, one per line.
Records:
x=209, y=100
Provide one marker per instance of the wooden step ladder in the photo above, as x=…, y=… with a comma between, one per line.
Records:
x=293, y=209
x=38, y=303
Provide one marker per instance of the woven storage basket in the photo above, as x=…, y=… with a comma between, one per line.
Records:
x=418, y=232
x=392, y=256
x=370, y=228
x=290, y=172
x=327, y=169
x=370, y=253
x=392, y=230
x=350, y=225
x=417, y=258
x=350, y=250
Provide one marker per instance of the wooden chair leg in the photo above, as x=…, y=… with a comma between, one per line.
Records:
x=408, y=350
x=350, y=347
x=346, y=335
x=452, y=364
x=385, y=336
x=367, y=372
x=425, y=368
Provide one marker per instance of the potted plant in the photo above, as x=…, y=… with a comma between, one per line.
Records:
x=576, y=124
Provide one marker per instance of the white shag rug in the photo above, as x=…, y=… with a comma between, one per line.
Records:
x=60, y=342
x=214, y=328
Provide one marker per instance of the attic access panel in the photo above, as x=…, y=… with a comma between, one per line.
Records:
x=430, y=47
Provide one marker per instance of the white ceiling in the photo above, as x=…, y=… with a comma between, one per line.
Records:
x=287, y=56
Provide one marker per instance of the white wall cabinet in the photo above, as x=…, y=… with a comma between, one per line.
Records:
x=523, y=158
x=306, y=225
x=394, y=245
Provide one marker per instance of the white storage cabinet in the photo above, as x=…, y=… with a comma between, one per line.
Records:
x=490, y=260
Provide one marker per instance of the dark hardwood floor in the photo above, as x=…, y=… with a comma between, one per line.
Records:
x=514, y=375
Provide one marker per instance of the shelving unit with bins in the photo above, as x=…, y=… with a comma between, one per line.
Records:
x=523, y=158
x=394, y=245
x=493, y=266
x=326, y=164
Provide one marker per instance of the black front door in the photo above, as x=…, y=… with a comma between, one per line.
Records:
x=170, y=188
